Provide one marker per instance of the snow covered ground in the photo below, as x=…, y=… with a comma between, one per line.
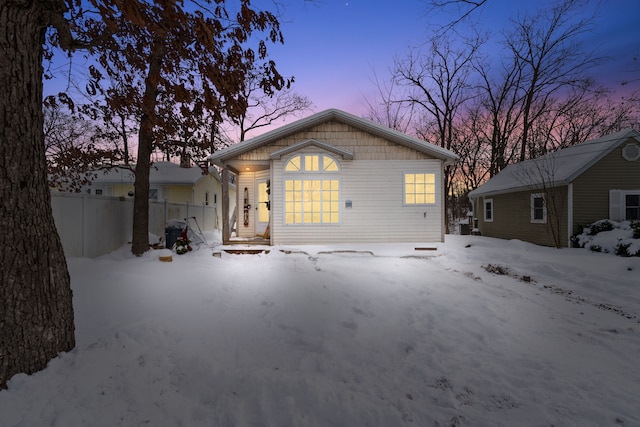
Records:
x=481, y=332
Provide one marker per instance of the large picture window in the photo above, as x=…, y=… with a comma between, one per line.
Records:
x=311, y=199
x=419, y=188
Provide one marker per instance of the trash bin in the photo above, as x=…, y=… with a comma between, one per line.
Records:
x=172, y=231
x=464, y=229
x=171, y=235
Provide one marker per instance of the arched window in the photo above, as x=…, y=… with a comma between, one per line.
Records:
x=312, y=163
x=311, y=190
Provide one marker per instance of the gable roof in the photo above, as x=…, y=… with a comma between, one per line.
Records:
x=345, y=154
x=553, y=169
x=161, y=173
x=400, y=138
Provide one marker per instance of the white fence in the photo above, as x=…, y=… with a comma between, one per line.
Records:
x=90, y=226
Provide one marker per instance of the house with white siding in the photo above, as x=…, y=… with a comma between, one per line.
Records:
x=334, y=178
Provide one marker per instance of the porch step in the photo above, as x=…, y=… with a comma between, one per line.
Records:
x=246, y=251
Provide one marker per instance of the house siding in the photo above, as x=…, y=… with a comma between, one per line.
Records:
x=178, y=194
x=512, y=217
x=591, y=188
x=375, y=188
x=371, y=176
x=118, y=190
x=363, y=145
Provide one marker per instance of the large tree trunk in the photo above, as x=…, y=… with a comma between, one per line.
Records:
x=36, y=310
x=140, y=238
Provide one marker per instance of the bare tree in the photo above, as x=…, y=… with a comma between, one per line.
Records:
x=547, y=47
x=473, y=148
x=264, y=109
x=463, y=10
x=72, y=148
x=118, y=127
x=437, y=83
x=500, y=101
x=388, y=108
x=582, y=115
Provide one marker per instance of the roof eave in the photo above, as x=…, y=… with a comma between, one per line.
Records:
x=228, y=153
x=516, y=189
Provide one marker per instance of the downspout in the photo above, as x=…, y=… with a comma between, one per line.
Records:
x=271, y=186
x=226, y=230
x=569, y=213
x=443, y=203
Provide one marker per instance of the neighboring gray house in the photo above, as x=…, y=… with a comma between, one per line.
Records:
x=335, y=178
x=549, y=199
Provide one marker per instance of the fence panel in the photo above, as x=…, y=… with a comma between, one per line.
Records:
x=90, y=226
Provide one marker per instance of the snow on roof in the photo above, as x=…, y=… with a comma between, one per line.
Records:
x=228, y=153
x=557, y=168
x=160, y=173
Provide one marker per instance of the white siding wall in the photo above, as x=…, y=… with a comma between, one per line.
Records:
x=375, y=188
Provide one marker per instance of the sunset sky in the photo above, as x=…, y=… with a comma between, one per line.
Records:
x=335, y=47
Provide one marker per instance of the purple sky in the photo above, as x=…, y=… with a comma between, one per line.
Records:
x=334, y=47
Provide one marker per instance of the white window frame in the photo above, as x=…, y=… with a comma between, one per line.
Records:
x=624, y=203
x=303, y=166
x=312, y=175
x=535, y=220
x=486, y=202
x=404, y=188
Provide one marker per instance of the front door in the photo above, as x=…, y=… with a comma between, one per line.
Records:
x=262, y=205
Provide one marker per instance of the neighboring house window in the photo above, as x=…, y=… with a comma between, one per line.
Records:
x=624, y=205
x=631, y=152
x=419, y=188
x=632, y=207
x=153, y=193
x=488, y=210
x=311, y=199
x=206, y=198
x=538, y=209
x=98, y=191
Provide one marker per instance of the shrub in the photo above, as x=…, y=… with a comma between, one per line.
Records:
x=635, y=226
x=622, y=249
x=600, y=226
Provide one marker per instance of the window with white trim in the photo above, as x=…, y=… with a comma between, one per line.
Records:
x=488, y=210
x=632, y=206
x=623, y=205
x=538, y=209
x=311, y=190
x=419, y=188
